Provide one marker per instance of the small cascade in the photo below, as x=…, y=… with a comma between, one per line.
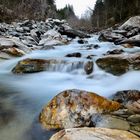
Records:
x=67, y=66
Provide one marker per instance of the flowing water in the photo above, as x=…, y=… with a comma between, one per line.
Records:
x=23, y=96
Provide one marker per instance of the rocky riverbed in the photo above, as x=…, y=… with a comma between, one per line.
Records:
x=89, y=83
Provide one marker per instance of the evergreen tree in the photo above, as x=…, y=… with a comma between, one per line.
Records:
x=66, y=12
x=108, y=12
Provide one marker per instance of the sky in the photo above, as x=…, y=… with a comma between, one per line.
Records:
x=80, y=6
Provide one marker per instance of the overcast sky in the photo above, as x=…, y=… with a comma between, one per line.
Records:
x=80, y=6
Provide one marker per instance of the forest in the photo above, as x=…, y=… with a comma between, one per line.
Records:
x=111, y=12
x=105, y=13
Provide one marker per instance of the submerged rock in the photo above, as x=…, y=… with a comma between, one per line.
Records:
x=76, y=54
x=74, y=108
x=119, y=64
x=88, y=67
x=81, y=41
x=93, y=134
x=6, y=116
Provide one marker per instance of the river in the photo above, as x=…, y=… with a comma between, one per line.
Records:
x=23, y=96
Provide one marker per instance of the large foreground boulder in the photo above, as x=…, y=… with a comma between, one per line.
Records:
x=74, y=108
x=119, y=64
x=93, y=134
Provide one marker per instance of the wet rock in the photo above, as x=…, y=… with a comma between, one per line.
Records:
x=118, y=31
x=93, y=134
x=73, y=33
x=14, y=52
x=132, y=42
x=96, y=46
x=50, y=42
x=115, y=65
x=131, y=23
x=47, y=48
x=52, y=38
x=136, y=128
x=5, y=56
x=123, y=113
x=132, y=32
x=102, y=38
x=19, y=29
x=119, y=64
x=13, y=42
x=29, y=41
x=90, y=56
x=134, y=118
x=27, y=23
x=90, y=46
x=116, y=51
x=110, y=36
x=135, y=132
x=74, y=108
x=126, y=45
x=136, y=37
x=108, y=121
x=76, y=54
x=88, y=67
x=129, y=98
x=81, y=41
x=35, y=34
x=127, y=95
x=134, y=106
x=31, y=65
x=37, y=65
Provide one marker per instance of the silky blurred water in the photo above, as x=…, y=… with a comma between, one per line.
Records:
x=23, y=96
